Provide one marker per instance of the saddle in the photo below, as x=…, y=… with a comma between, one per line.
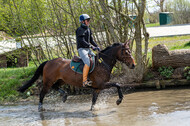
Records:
x=77, y=64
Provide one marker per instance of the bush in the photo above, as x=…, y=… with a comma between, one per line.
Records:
x=187, y=44
x=166, y=71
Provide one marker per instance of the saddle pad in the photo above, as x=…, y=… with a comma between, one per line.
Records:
x=78, y=66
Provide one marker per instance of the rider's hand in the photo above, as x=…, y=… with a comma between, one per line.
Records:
x=93, y=48
x=98, y=49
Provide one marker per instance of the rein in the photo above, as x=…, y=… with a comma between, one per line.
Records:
x=102, y=61
x=106, y=55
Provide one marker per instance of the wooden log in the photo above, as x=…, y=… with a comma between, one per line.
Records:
x=162, y=57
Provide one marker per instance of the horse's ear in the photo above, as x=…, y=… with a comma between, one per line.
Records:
x=127, y=42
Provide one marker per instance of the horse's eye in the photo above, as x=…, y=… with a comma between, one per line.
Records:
x=127, y=51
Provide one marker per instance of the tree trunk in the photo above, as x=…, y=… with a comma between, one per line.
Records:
x=162, y=5
x=139, y=61
x=139, y=70
x=108, y=21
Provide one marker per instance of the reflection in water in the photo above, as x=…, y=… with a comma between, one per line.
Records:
x=153, y=108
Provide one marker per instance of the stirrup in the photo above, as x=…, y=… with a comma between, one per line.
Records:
x=87, y=83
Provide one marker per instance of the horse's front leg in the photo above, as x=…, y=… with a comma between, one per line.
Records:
x=94, y=98
x=109, y=85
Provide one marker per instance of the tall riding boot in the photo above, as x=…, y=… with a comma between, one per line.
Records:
x=86, y=83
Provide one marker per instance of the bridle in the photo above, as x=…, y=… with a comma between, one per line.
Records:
x=124, y=49
x=113, y=58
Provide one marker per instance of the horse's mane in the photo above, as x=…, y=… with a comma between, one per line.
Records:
x=111, y=46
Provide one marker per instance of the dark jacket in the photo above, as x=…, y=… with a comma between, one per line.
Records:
x=84, y=37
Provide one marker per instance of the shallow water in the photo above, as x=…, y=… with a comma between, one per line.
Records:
x=152, y=108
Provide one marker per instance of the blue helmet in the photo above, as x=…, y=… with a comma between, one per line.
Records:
x=83, y=17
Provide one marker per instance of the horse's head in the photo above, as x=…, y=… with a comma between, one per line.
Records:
x=125, y=56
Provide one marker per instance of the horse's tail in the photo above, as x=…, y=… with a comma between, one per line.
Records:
x=37, y=74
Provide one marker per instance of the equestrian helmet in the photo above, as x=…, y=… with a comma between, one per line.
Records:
x=83, y=17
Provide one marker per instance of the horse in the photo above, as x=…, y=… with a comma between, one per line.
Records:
x=59, y=69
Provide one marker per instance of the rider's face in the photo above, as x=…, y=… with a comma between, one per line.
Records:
x=87, y=22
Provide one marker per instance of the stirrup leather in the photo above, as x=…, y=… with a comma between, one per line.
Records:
x=87, y=83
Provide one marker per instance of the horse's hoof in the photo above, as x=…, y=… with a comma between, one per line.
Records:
x=64, y=98
x=40, y=109
x=118, y=101
x=92, y=108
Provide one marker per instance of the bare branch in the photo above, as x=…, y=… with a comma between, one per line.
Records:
x=125, y=15
x=62, y=8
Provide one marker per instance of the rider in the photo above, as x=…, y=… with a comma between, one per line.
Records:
x=84, y=43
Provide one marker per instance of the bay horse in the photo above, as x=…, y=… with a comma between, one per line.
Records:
x=59, y=69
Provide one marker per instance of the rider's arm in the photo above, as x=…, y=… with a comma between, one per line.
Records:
x=92, y=40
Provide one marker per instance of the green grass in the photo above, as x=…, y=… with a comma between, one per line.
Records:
x=170, y=42
x=152, y=25
x=183, y=46
x=11, y=79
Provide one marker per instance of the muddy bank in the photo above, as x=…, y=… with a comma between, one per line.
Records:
x=159, y=84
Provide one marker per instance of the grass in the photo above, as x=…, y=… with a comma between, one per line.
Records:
x=183, y=46
x=11, y=79
x=152, y=25
x=169, y=41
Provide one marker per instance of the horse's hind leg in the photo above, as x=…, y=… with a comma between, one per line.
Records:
x=56, y=87
x=94, y=98
x=109, y=85
x=43, y=92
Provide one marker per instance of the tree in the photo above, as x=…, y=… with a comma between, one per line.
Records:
x=137, y=24
x=181, y=11
x=52, y=24
x=160, y=3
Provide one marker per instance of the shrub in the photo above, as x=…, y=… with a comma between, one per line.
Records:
x=166, y=71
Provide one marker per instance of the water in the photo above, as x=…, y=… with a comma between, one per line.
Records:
x=152, y=108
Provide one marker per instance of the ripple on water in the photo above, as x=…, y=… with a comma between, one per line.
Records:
x=153, y=108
